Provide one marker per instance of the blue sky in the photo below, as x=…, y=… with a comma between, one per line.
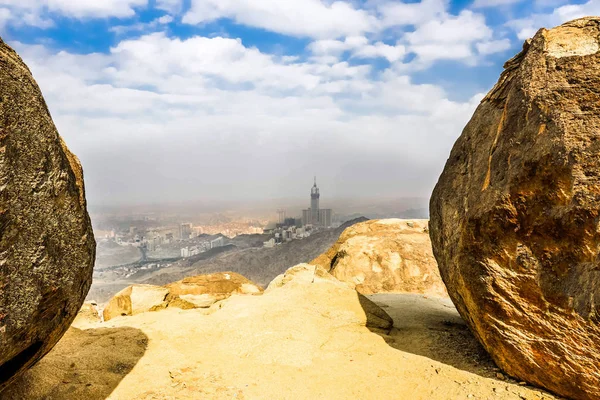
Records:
x=167, y=100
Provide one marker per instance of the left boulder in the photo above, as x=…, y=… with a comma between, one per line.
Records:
x=47, y=246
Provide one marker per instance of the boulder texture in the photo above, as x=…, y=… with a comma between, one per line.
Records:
x=390, y=255
x=136, y=299
x=515, y=216
x=47, y=246
x=200, y=291
x=318, y=286
x=204, y=290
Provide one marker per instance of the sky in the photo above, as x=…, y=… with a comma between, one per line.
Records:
x=214, y=100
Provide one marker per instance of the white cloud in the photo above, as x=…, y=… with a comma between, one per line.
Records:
x=394, y=13
x=465, y=37
x=493, y=46
x=95, y=8
x=212, y=104
x=329, y=51
x=379, y=49
x=311, y=18
x=165, y=19
x=141, y=27
x=203, y=104
x=494, y=3
x=464, y=28
x=35, y=12
x=172, y=6
x=5, y=16
x=527, y=27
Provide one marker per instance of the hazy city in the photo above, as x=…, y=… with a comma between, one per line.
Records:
x=146, y=244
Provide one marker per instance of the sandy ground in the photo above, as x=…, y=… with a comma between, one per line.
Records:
x=294, y=342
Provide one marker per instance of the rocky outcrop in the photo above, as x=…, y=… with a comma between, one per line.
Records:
x=204, y=290
x=136, y=299
x=194, y=292
x=305, y=274
x=515, y=214
x=390, y=255
x=47, y=246
x=88, y=315
x=304, y=338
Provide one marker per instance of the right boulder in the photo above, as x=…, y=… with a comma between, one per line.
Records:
x=515, y=216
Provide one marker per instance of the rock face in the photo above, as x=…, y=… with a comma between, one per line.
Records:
x=338, y=295
x=136, y=299
x=194, y=292
x=204, y=290
x=515, y=215
x=47, y=246
x=390, y=255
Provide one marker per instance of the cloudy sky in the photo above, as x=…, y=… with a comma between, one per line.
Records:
x=168, y=100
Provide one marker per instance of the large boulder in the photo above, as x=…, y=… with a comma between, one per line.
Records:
x=47, y=246
x=515, y=215
x=322, y=287
x=389, y=255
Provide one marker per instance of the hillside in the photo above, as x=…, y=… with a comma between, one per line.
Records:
x=260, y=265
x=305, y=338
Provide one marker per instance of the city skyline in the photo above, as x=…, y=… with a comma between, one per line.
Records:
x=315, y=215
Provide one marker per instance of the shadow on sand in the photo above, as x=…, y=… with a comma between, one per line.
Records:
x=431, y=327
x=85, y=364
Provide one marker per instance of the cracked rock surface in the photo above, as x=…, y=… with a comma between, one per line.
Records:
x=515, y=216
x=382, y=256
x=47, y=246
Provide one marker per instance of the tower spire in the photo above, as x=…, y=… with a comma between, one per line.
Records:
x=315, y=180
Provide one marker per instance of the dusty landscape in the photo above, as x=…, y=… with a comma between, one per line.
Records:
x=305, y=339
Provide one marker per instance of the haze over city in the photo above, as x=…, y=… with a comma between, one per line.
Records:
x=176, y=101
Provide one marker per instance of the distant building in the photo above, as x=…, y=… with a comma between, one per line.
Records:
x=218, y=242
x=270, y=243
x=185, y=231
x=280, y=216
x=325, y=217
x=289, y=222
x=185, y=252
x=314, y=215
x=152, y=243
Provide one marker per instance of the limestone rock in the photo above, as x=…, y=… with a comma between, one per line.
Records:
x=338, y=294
x=200, y=291
x=87, y=316
x=390, y=255
x=515, y=215
x=136, y=299
x=204, y=290
x=302, y=339
x=47, y=246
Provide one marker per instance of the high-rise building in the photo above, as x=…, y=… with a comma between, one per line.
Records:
x=314, y=202
x=315, y=215
x=281, y=216
x=185, y=231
